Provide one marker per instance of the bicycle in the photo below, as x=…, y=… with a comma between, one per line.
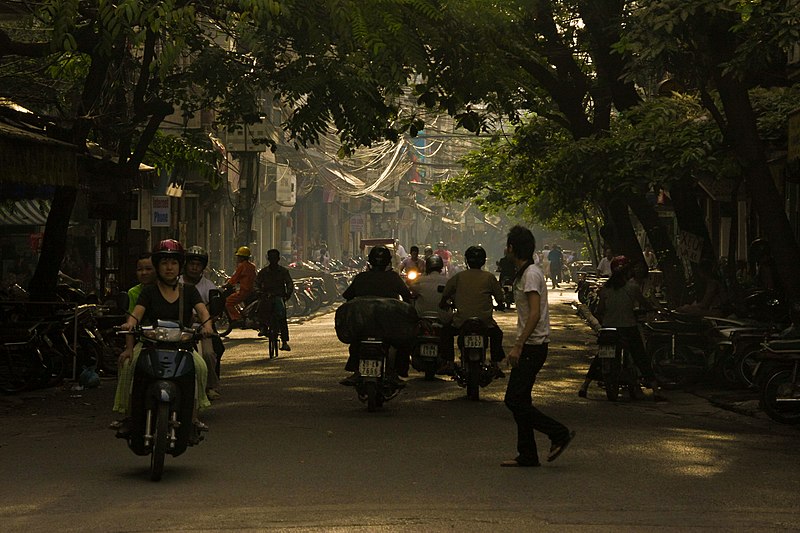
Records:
x=271, y=326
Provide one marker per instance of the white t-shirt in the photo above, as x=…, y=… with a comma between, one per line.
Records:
x=532, y=280
x=203, y=286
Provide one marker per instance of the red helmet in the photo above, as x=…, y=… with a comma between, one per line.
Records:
x=168, y=248
x=620, y=262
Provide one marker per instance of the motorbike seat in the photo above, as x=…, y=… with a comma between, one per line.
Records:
x=473, y=325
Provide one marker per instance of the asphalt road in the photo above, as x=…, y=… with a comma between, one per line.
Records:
x=290, y=449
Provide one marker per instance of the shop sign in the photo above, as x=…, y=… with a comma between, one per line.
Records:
x=161, y=212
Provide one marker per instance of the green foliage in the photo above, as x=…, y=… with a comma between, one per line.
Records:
x=184, y=157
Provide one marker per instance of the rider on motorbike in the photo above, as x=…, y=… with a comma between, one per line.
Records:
x=380, y=281
x=245, y=276
x=274, y=281
x=471, y=291
x=619, y=297
x=161, y=301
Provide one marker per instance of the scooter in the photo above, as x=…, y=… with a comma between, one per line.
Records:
x=162, y=398
x=473, y=373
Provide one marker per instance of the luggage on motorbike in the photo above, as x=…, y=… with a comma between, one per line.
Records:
x=385, y=318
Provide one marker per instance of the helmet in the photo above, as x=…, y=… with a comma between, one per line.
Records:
x=433, y=263
x=168, y=248
x=475, y=256
x=379, y=257
x=198, y=253
x=441, y=244
x=620, y=262
x=243, y=251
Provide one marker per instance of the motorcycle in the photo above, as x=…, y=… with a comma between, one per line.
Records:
x=616, y=364
x=779, y=377
x=426, y=355
x=683, y=348
x=248, y=309
x=473, y=373
x=162, y=398
x=373, y=386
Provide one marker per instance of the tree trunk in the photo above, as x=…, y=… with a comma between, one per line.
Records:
x=760, y=186
x=668, y=261
x=690, y=217
x=54, y=245
x=248, y=192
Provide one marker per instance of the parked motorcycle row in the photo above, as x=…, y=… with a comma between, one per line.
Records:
x=43, y=343
x=750, y=350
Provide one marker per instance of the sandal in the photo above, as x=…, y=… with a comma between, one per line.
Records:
x=558, y=449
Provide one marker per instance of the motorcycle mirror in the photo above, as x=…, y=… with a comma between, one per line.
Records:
x=215, y=302
x=122, y=301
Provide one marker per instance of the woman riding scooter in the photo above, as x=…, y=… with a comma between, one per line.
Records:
x=161, y=301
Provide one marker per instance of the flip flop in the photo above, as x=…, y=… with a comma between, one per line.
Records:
x=558, y=449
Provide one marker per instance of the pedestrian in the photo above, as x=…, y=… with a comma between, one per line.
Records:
x=604, y=266
x=529, y=354
x=556, y=259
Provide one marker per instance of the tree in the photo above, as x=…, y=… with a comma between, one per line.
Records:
x=728, y=47
x=111, y=72
x=554, y=60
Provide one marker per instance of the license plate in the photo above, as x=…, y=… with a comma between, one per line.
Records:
x=428, y=350
x=608, y=352
x=473, y=341
x=370, y=368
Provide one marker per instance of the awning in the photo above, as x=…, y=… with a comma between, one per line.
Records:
x=24, y=212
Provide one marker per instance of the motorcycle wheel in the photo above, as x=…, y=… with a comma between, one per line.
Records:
x=473, y=381
x=222, y=324
x=160, y=442
x=780, y=397
x=611, y=370
x=372, y=396
x=680, y=368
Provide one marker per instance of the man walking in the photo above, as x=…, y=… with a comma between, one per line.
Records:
x=529, y=354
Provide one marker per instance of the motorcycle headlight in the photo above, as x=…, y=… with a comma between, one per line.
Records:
x=167, y=334
x=412, y=275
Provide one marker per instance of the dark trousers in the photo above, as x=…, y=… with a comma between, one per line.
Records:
x=519, y=400
x=495, y=343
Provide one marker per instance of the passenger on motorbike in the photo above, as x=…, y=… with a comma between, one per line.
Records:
x=619, y=298
x=146, y=275
x=161, y=301
x=275, y=285
x=471, y=292
x=245, y=277
x=193, y=273
x=380, y=281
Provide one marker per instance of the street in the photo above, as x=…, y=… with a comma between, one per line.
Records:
x=291, y=449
